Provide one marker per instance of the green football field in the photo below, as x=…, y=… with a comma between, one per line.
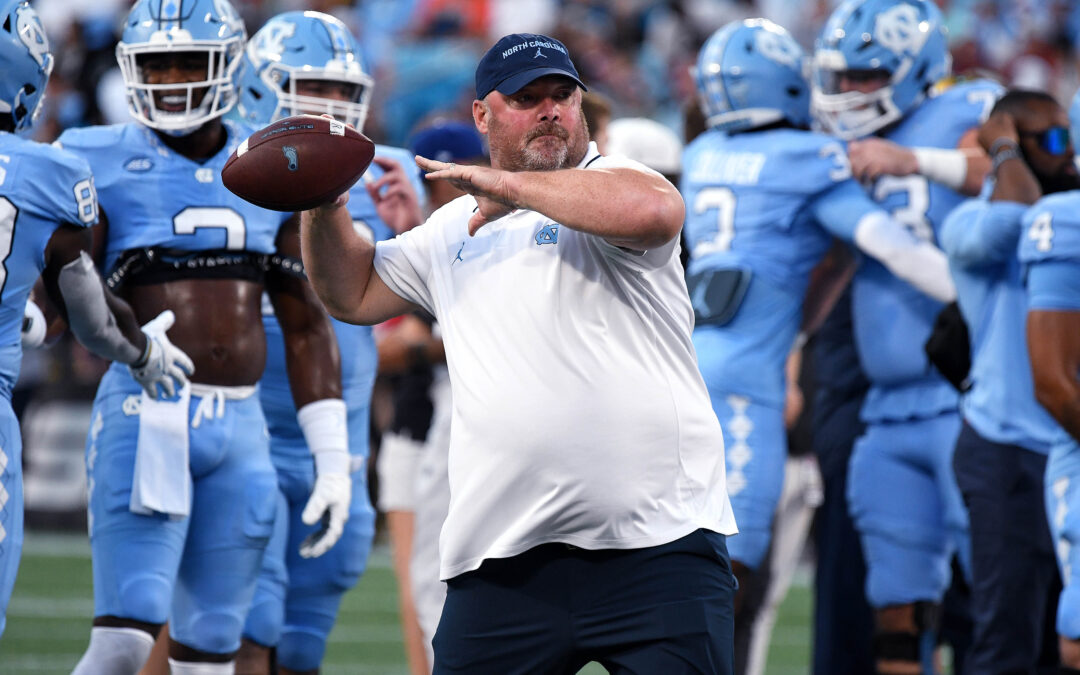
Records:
x=48, y=621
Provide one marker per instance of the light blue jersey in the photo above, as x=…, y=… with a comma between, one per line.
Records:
x=762, y=208
x=980, y=237
x=139, y=178
x=297, y=598
x=893, y=319
x=767, y=203
x=1050, y=254
x=41, y=187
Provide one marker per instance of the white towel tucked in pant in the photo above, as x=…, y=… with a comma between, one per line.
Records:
x=162, y=482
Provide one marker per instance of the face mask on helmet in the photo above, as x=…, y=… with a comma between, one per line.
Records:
x=179, y=60
x=874, y=62
x=25, y=61
x=304, y=62
x=749, y=74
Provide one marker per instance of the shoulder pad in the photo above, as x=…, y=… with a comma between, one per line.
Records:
x=91, y=137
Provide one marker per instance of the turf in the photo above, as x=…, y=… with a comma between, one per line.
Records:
x=48, y=620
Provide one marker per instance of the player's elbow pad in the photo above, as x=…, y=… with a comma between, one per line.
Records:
x=918, y=262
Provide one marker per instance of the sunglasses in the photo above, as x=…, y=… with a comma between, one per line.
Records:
x=1054, y=140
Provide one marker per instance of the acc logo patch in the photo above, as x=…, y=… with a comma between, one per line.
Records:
x=548, y=234
x=139, y=164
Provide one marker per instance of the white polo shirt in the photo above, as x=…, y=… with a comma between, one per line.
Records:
x=579, y=413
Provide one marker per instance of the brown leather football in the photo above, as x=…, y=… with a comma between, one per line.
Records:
x=297, y=163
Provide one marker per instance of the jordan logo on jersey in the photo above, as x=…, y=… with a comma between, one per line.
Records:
x=548, y=234
x=458, y=257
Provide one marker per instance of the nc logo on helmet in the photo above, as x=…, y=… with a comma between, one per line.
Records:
x=28, y=26
x=271, y=41
x=897, y=29
x=777, y=48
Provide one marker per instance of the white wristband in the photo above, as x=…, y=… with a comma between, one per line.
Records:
x=948, y=167
x=326, y=432
x=33, y=327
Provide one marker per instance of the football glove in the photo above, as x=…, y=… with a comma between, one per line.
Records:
x=324, y=427
x=162, y=363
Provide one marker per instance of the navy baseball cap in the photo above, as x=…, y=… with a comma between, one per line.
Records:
x=518, y=59
x=448, y=142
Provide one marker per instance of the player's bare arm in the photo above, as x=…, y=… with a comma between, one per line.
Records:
x=311, y=349
x=1015, y=180
x=629, y=208
x=1054, y=347
x=339, y=265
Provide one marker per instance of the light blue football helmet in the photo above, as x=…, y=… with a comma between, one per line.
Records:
x=296, y=46
x=25, y=62
x=750, y=74
x=903, y=40
x=155, y=27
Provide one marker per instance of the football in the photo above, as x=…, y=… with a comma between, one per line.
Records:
x=297, y=163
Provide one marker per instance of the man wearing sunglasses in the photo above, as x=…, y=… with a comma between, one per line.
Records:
x=1050, y=266
x=1001, y=453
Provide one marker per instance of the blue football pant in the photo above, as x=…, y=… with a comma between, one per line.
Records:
x=755, y=452
x=1063, y=513
x=297, y=599
x=197, y=572
x=11, y=505
x=903, y=497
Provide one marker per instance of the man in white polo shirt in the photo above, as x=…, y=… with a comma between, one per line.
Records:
x=588, y=512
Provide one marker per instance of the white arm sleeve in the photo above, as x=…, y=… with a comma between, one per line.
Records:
x=946, y=166
x=917, y=262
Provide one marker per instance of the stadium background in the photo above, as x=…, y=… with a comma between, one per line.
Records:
x=422, y=54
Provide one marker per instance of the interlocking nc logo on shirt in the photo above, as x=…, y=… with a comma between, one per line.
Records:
x=548, y=234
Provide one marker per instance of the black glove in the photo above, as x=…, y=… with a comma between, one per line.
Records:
x=949, y=347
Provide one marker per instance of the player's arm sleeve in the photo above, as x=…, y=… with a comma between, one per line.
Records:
x=979, y=233
x=1054, y=285
x=846, y=211
x=404, y=263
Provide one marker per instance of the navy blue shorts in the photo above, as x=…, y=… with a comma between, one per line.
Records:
x=664, y=609
x=1014, y=572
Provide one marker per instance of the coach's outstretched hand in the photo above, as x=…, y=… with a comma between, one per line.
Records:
x=491, y=187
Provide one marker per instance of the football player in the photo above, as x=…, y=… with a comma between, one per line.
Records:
x=877, y=64
x=183, y=493
x=309, y=62
x=47, y=205
x=755, y=228
x=1001, y=452
x=1050, y=255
